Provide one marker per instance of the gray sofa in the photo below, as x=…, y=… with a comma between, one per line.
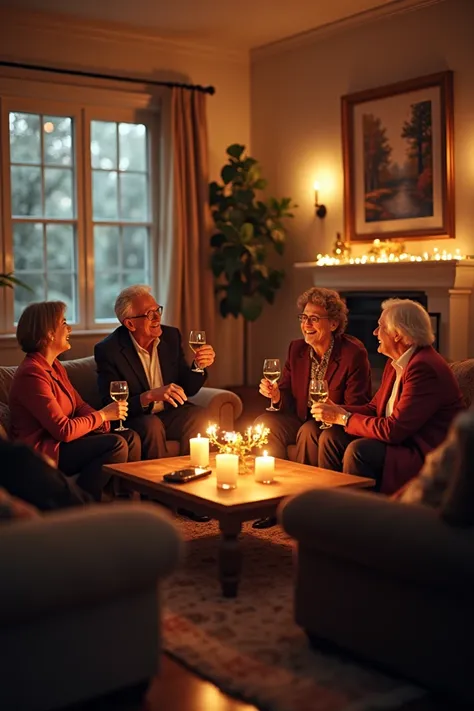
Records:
x=390, y=582
x=224, y=406
x=79, y=606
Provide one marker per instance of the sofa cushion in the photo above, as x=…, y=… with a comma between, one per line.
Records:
x=464, y=373
x=83, y=375
x=4, y=421
x=6, y=377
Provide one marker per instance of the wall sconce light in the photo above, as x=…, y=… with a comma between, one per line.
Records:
x=320, y=209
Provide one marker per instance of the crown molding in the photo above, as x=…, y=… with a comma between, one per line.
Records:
x=303, y=39
x=114, y=33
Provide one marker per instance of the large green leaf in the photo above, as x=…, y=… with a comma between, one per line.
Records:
x=229, y=172
x=217, y=240
x=246, y=233
x=252, y=307
x=235, y=150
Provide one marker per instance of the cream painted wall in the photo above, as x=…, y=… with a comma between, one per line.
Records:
x=296, y=134
x=60, y=42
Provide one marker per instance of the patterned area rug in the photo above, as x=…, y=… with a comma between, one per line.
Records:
x=249, y=646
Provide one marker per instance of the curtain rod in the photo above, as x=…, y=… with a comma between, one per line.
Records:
x=93, y=75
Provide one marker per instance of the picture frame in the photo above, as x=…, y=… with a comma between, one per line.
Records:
x=398, y=153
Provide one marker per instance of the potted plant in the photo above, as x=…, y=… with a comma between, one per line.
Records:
x=248, y=230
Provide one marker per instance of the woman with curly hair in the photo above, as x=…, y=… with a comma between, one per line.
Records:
x=324, y=352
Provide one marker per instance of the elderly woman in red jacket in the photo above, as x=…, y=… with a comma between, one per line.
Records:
x=50, y=416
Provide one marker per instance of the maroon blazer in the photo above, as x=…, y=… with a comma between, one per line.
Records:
x=348, y=375
x=428, y=399
x=45, y=408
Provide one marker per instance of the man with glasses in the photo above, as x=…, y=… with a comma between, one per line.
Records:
x=150, y=357
x=324, y=352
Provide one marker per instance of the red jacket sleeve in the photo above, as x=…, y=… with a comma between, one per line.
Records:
x=419, y=401
x=359, y=382
x=37, y=397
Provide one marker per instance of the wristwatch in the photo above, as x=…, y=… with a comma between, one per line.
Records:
x=345, y=418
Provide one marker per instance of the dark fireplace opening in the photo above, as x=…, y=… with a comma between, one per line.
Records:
x=364, y=312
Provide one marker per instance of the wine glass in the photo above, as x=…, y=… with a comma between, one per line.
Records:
x=319, y=392
x=271, y=372
x=119, y=393
x=196, y=340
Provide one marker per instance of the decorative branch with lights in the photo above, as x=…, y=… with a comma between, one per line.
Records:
x=237, y=443
x=386, y=252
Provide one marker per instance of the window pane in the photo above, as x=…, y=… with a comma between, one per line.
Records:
x=26, y=191
x=28, y=248
x=58, y=188
x=106, y=291
x=61, y=287
x=60, y=247
x=104, y=145
x=23, y=297
x=135, y=247
x=104, y=195
x=131, y=278
x=134, y=197
x=106, y=249
x=25, y=143
x=57, y=139
x=132, y=147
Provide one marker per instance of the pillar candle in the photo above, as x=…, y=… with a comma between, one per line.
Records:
x=227, y=470
x=264, y=469
x=199, y=450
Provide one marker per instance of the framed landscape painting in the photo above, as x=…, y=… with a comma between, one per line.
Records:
x=398, y=160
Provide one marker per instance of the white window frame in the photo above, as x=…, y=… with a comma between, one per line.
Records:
x=84, y=99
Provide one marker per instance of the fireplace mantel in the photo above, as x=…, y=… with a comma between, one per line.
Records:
x=449, y=285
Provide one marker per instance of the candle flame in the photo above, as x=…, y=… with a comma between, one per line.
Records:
x=265, y=453
x=199, y=435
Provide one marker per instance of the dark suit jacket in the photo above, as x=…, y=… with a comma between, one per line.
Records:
x=117, y=359
x=428, y=399
x=348, y=375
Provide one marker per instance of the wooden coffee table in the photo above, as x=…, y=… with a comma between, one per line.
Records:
x=248, y=501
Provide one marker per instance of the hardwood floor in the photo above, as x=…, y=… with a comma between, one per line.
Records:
x=178, y=689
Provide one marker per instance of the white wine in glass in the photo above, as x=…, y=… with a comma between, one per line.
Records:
x=196, y=340
x=119, y=393
x=272, y=373
x=319, y=392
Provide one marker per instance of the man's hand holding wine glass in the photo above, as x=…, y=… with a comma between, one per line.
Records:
x=204, y=354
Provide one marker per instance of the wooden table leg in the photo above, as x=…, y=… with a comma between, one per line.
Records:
x=230, y=557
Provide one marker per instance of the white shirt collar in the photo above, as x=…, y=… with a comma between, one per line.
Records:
x=402, y=362
x=140, y=348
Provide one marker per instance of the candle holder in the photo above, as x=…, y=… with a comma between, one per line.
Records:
x=238, y=443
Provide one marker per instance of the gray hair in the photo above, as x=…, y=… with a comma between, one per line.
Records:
x=410, y=319
x=123, y=303
x=330, y=300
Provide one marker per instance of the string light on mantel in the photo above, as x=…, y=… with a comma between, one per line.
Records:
x=388, y=253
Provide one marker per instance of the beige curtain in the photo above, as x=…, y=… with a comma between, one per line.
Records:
x=185, y=285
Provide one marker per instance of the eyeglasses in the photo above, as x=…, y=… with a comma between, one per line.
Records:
x=304, y=318
x=151, y=314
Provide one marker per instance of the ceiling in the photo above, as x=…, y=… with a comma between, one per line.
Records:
x=219, y=23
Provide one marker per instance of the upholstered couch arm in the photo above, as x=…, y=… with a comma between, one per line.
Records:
x=82, y=557
x=398, y=540
x=224, y=406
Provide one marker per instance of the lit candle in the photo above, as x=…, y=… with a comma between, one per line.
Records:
x=227, y=470
x=199, y=449
x=316, y=192
x=264, y=469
